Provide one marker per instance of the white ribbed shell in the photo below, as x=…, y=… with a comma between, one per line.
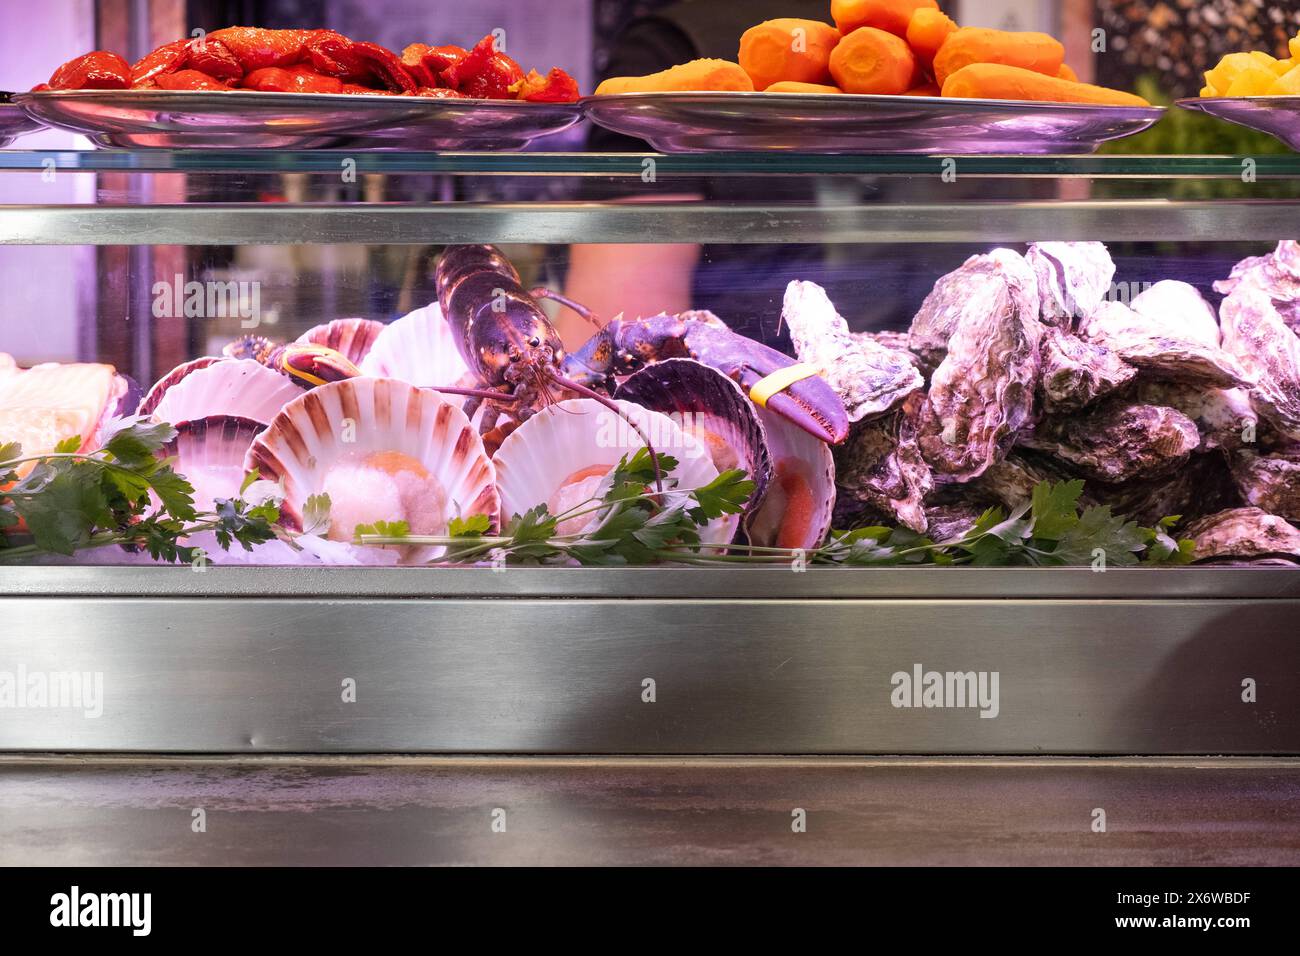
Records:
x=309, y=437
x=577, y=434
x=417, y=348
x=238, y=387
x=353, y=338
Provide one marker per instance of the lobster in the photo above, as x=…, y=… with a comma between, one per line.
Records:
x=517, y=361
x=513, y=350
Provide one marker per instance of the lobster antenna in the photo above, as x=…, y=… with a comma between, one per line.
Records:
x=613, y=407
x=474, y=393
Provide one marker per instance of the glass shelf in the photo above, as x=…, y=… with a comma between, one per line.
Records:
x=1281, y=166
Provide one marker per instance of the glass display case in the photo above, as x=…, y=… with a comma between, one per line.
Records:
x=924, y=614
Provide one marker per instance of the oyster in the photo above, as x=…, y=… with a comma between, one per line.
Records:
x=892, y=339
x=1171, y=301
x=881, y=466
x=712, y=412
x=970, y=290
x=1072, y=278
x=1243, y=533
x=353, y=338
x=418, y=349
x=1277, y=275
x=796, y=511
x=1163, y=346
x=1223, y=415
x=982, y=394
x=1011, y=481
x=383, y=451
x=210, y=453
x=1270, y=482
x=950, y=522
x=871, y=378
x=1254, y=332
x=1076, y=373
x=241, y=388
x=561, y=456
x=1203, y=486
x=1118, y=442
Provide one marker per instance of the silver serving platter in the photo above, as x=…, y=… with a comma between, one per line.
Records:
x=14, y=122
x=247, y=119
x=850, y=123
x=1279, y=116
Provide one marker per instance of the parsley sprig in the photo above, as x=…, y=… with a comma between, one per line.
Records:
x=74, y=501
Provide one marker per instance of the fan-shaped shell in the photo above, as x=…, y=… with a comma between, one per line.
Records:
x=210, y=454
x=352, y=337
x=160, y=387
x=711, y=408
x=382, y=450
x=796, y=511
x=238, y=387
x=417, y=348
x=573, y=444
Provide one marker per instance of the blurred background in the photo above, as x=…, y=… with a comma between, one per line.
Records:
x=93, y=303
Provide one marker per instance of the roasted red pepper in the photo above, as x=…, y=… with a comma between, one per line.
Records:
x=294, y=79
x=215, y=59
x=166, y=59
x=188, y=80
x=255, y=48
x=555, y=87
x=484, y=73
x=100, y=70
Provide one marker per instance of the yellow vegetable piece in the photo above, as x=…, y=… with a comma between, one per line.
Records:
x=1253, y=81
x=1209, y=91
x=1229, y=67
x=1287, y=85
x=1294, y=46
x=1283, y=67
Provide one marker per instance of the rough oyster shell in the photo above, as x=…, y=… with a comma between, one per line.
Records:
x=1269, y=351
x=880, y=465
x=1277, y=275
x=796, y=511
x=710, y=408
x=982, y=394
x=419, y=349
x=1072, y=278
x=1076, y=373
x=1201, y=487
x=394, y=451
x=210, y=453
x=1243, y=533
x=1011, y=481
x=238, y=387
x=869, y=377
x=582, y=439
x=972, y=287
x=353, y=338
x=1269, y=482
x=1118, y=442
x=1163, y=347
x=1170, y=301
x=1222, y=415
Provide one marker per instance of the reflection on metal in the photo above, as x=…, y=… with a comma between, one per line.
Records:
x=731, y=675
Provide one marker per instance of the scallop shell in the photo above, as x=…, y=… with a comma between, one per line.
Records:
x=796, y=511
x=238, y=387
x=711, y=407
x=354, y=338
x=160, y=387
x=345, y=423
x=575, y=435
x=417, y=348
x=210, y=454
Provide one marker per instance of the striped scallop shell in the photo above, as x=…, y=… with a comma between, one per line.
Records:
x=796, y=511
x=343, y=423
x=352, y=337
x=160, y=387
x=580, y=435
x=714, y=409
x=238, y=387
x=210, y=453
x=417, y=348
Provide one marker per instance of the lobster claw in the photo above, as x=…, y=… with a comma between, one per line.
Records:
x=773, y=380
x=311, y=365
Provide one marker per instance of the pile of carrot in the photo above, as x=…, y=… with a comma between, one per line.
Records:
x=887, y=47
